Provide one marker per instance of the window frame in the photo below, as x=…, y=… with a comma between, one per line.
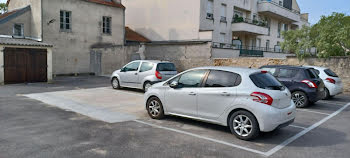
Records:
x=14, y=30
x=177, y=78
x=210, y=10
x=146, y=63
x=64, y=22
x=138, y=68
x=106, y=27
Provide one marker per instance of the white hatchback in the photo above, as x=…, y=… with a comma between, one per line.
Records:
x=246, y=100
x=332, y=82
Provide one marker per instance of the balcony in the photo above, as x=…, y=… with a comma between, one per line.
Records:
x=273, y=9
x=248, y=26
x=251, y=51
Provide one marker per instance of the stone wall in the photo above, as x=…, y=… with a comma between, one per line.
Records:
x=184, y=55
x=340, y=65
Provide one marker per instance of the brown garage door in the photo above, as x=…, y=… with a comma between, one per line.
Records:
x=25, y=65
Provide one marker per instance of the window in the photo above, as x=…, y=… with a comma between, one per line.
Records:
x=223, y=13
x=106, y=25
x=166, y=67
x=266, y=81
x=268, y=26
x=238, y=13
x=18, y=30
x=222, y=79
x=192, y=78
x=210, y=9
x=222, y=37
x=146, y=66
x=65, y=20
x=329, y=72
x=287, y=73
x=132, y=67
x=267, y=45
x=312, y=73
x=279, y=30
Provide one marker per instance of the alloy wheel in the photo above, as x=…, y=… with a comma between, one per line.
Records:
x=242, y=125
x=299, y=99
x=154, y=108
x=115, y=83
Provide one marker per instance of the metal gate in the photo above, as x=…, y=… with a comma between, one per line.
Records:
x=95, y=62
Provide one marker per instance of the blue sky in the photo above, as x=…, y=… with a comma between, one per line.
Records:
x=316, y=8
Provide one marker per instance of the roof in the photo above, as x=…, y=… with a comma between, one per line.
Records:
x=22, y=42
x=284, y=66
x=241, y=70
x=131, y=35
x=13, y=14
x=316, y=67
x=108, y=3
x=104, y=2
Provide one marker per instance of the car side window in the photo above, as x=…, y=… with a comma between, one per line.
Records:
x=222, y=79
x=192, y=78
x=146, y=66
x=132, y=66
x=287, y=73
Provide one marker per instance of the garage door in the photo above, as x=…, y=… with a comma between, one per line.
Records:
x=25, y=65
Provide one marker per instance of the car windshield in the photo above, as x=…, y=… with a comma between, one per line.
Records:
x=266, y=81
x=312, y=73
x=166, y=67
x=329, y=72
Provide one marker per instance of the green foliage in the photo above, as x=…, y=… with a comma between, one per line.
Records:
x=3, y=8
x=331, y=37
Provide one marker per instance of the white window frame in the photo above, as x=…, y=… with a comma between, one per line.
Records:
x=210, y=9
x=223, y=12
x=105, y=26
x=64, y=22
x=22, y=30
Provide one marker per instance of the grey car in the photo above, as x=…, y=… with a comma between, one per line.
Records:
x=141, y=74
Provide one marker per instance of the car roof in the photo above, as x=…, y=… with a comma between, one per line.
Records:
x=241, y=70
x=317, y=67
x=285, y=66
x=152, y=61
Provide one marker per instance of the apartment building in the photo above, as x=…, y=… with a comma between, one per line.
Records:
x=248, y=24
x=72, y=27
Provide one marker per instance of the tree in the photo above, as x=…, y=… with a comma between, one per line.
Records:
x=330, y=36
x=3, y=8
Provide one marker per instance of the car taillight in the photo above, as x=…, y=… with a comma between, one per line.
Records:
x=330, y=80
x=309, y=83
x=158, y=75
x=262, y=98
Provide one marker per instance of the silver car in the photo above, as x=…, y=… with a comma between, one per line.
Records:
x=141, y=74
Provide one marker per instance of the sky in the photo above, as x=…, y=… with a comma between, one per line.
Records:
x=316, y=8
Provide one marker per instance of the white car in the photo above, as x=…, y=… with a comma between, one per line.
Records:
x=141, y=74
x=333, y=83
x=246, y=100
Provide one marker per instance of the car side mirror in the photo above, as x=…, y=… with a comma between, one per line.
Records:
x=123, y=69
x=174, y=84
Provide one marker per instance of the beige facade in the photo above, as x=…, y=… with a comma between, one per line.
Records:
x=259, y=23
x=73, y=46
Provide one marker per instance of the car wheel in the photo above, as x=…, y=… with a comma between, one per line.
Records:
x=244, y=125
x=146, y=85
x=155, y=108
x=327, y=95
x=300, y=99
x=115, y=83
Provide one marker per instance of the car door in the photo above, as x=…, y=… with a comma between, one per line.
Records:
x=218, y=94
x=129, y=74
x=145, y=70
x=183, y=100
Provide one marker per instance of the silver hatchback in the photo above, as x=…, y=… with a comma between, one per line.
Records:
x=141, y=74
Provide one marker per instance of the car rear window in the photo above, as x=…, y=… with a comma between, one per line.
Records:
x=266, y=81
x=218, y=78
x=312, y=73
x=166, y=67
x=329, y=72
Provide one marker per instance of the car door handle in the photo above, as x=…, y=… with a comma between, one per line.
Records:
x=136, y=73
x=225, y=94
x=192, y=93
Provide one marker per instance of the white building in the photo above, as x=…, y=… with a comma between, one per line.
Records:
x=251, y=24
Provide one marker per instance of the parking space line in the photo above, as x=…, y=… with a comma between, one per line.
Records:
x=332, y=103
x=290, y=140
x=316, y=112
x=297, y=126
x=205, y=138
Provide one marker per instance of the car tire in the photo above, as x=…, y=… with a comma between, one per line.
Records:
x=155, y=108
x=300, y=99
x=115, y=83
x=327, y=94
x=241, y=127
x=146, y=85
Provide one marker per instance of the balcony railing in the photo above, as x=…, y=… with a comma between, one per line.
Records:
x=237, y=19
x=275, y=3
x=276, y=49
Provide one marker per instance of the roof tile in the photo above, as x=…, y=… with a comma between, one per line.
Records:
x=131, y=35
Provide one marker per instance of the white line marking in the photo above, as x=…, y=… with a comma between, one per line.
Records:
x=290, y=140
x=332, y=103
x=202, y=137
x=316, y=112
x=297, y=126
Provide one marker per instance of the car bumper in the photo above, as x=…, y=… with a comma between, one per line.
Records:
x=316, y=96
x=335, y=89
x=277, y=118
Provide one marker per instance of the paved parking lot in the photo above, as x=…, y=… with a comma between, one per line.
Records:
x=86, y=121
